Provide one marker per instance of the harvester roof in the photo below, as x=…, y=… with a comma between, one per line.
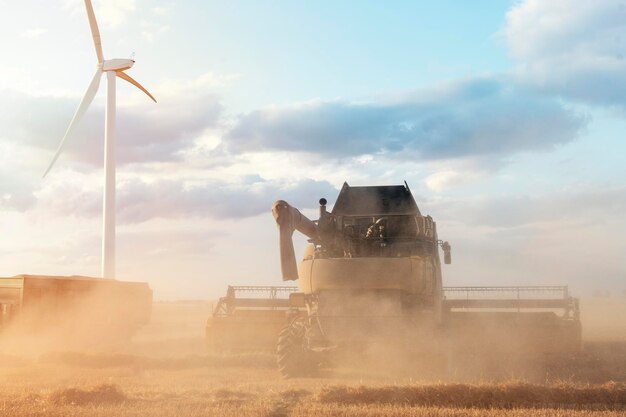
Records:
x=375, y=200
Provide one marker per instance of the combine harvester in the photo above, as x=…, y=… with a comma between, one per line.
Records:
x=71, y=312
x=371, y=274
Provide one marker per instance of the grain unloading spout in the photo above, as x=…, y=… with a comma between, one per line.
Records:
x=288, y=219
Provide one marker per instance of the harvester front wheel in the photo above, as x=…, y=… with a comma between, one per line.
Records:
x=293, y=357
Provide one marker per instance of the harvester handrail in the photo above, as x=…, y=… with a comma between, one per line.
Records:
x=509, y=303
x=233, y=289
x=565, y=302
x=510, y=287
x=228, y=304
x=563, y=289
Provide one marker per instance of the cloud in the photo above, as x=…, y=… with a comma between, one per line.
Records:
x=151, y=33
x=477, y=117
x=111, y=12
x=147, y=132
x=569, y=237
x=513, y=211
x=33, y=33
x=162, y=10
x=115, y=12
x=17, y=180
x=448, y=178
x=140, y=200
x=573, y=49
x=15, y=194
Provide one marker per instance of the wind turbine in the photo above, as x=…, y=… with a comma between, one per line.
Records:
x=113, y=68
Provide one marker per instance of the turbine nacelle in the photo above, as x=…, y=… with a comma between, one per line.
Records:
x=117, y=64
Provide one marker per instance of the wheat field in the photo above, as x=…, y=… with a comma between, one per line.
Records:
x=165, y=371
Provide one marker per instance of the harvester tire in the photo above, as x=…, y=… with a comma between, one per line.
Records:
x=293, y=357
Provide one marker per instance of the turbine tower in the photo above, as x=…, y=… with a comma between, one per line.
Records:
x=113, y=68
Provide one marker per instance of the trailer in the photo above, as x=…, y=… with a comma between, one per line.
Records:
x=72, y=310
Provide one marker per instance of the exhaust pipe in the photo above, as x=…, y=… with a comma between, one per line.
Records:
x=289, y=219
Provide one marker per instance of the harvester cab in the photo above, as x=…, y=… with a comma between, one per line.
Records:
x=366, y=222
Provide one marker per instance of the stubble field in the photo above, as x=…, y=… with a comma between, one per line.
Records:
x=166, y=371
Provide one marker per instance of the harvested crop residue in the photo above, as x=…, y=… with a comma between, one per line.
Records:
x=511, y=395
x=101, y=394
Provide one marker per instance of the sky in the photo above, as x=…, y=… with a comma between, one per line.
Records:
x=506, y=119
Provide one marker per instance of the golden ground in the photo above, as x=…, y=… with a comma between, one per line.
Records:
x=166, y=371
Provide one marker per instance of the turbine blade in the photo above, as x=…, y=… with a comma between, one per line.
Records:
x=95, y=32
x=128, y=78
x=80, y=111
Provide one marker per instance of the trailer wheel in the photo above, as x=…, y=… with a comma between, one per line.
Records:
x=293, y=357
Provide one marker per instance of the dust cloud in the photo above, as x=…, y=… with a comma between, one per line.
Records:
x=164, y=369
x=535, y=346
x=96, y=332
